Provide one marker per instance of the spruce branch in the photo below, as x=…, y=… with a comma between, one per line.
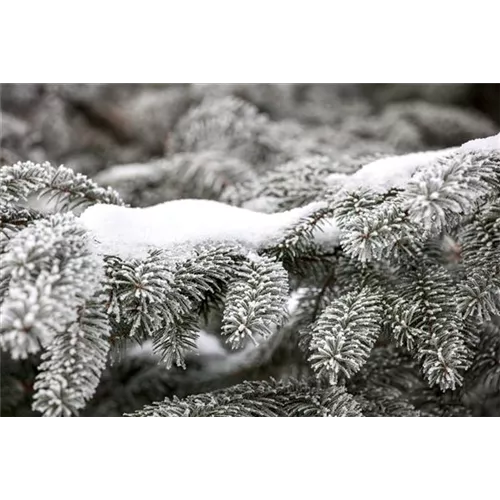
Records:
x=441, y=194
x=67, y=189
x=14, y=219
x=344, y=334
x=360, y=203
x=383, y=233
x=161, y=297
x=227, y=124
x=479, y=237
x=196, y=280
x=52, y=272
x=440, y=344
x=482, y=383
x=260, y=399
x=478, y=295
x=20, y=180
x=72, y=365
x=174, y=340
x=255, y=302
x=308, y=242
x=292, y=184
x=138, y=292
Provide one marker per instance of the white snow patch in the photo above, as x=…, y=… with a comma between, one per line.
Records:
x=394, y=171
x=179, y=225
x=487, y=144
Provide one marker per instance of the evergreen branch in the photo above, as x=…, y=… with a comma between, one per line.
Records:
x=304, y=241
x=70, y=190
x=479, y=237
x=72, y=365
x=290, y=185
x=256, y=301
x=151, y=293
x=382, y=233
x=482, y=385
x=196, y=279
x=259, y=399
x=62, y=185
x=14, y=219
x=440, y=345
x=175, y=340
x=382, y=402
x=479, y=294
x=344, y=334
x=441, y=194
x=160, y=298
x=20, y=180
x=52, y=273
x=228, y=124
x=138, y=292
x=360, y=203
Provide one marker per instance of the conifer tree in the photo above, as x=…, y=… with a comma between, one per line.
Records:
x=262, y=268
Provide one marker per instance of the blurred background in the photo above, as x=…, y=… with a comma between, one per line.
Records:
x=89, y=127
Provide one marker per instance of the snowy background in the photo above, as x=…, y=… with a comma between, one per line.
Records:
x=93, y=126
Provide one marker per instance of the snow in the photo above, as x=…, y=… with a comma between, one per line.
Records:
x=487, y=144
x=394, y=171
x=181, y=224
